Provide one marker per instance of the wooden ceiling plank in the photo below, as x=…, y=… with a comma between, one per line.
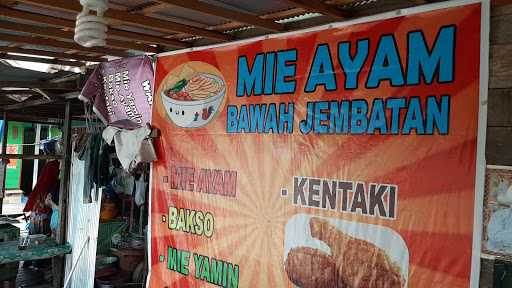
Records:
x=28, y=103
x=38, y=84
x=58, y=55
x=165, y=26
x=288, y=13
x=147, y=38
x=27, y=93
x=59, y=34
x=149, y=9
x=283, y=14
x=213, y=10
x=131, y=45
x=40, y=60
x=60, y=44
x=70, y=25
x=35, y=17
x=320, y=7
x=132, y=19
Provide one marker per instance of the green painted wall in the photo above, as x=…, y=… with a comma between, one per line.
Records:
x=55, y=132
x=14, y=137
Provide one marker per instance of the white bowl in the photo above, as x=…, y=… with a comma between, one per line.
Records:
x=193, y=114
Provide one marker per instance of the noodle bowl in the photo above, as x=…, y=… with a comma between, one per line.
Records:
x=192, y=101
x=200, y=86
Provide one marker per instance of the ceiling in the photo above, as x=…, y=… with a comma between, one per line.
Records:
x=42, y=31
x=45, y=27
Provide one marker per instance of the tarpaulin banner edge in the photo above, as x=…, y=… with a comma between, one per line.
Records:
x=480, y=155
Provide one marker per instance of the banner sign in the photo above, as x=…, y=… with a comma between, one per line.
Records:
x=342, y=156
x=121, y=91
x=12, y=149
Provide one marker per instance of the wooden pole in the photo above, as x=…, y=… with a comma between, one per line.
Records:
x=35, y=173
x=58, y=262
x=3, y=162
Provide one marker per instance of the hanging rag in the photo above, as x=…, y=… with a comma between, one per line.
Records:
x=122, y=181
x=140, y=191
x=132, y=146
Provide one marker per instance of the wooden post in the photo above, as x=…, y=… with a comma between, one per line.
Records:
x=58, y=262
x=3, y=162
x=35, y=174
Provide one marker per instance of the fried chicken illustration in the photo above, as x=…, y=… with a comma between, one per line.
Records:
x=357, y=263
x=310, y=268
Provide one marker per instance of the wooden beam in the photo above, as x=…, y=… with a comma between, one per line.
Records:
x=132, y=19
x=4, y=93
x=61, y=44
x=214, y=10
x=3, y=169
x=34, y=119
x=164, y=26
x=69, y=24
x=29, y=103
x=147, y=38
x=38, y=84
x=60, y=34
x=288, y=13
x=40, y=60
x=30, y=157
x=320, y=7
x=500, y=66
x=58, y=262
x=8, y=2
x=58, y=55
x=11, y=13
x=148, y=8
x=283, y=14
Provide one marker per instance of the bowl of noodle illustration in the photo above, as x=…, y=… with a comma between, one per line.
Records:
x=192, y=96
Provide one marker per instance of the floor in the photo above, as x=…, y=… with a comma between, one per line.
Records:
x=28, y=277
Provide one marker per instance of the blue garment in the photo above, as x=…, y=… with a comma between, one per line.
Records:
x=54, y=220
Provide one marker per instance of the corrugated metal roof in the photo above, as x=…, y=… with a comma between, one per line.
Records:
x=255, y=7
x=122, y=27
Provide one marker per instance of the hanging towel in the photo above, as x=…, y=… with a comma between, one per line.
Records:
x=140, y=191
x=132, y=146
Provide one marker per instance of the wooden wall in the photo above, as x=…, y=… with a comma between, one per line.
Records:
x=499, y=116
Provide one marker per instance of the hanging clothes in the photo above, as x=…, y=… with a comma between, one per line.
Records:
x=54, y=204
x=96, y=154
x=46, y=183
x=132, y=146
x=140, y=191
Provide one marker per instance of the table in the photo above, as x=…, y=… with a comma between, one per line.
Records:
x=9, y=251
x=8, y=232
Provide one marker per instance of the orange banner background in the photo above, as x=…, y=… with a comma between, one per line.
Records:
x=435, y=174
